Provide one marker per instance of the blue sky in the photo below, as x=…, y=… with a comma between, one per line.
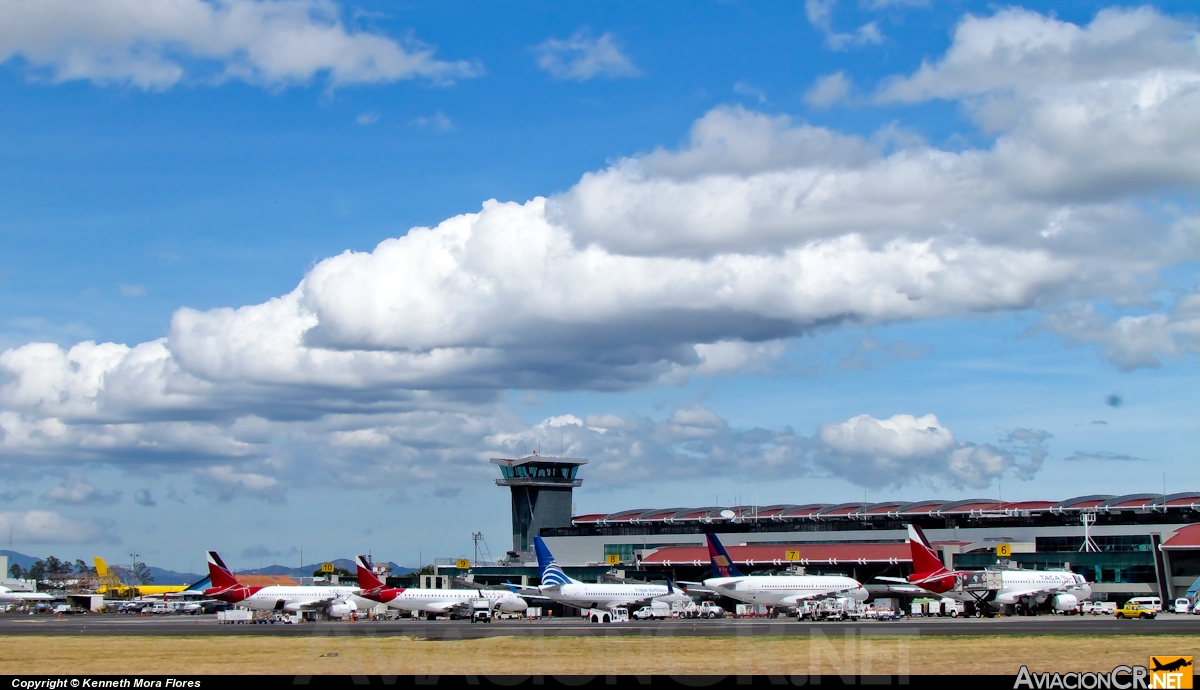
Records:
x=787, y=251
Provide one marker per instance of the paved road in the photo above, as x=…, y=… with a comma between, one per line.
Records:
x=119, y=624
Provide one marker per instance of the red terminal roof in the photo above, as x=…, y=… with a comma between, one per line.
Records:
x=624, y=515
x=1181, y=500
x=1030, y=505
x=771, y=511
x=843, y=509
x=1184, y=538
x=588, y=519
x=689, y=514
x=658, y=515
x=804, y=510
x=1083, y=502
x=776, y=554
x=880, y=508
x=969, y=505
x=920, y=507
x=1132, y=501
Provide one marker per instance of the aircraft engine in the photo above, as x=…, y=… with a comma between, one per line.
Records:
x=342, y=609
x=1064, y=602
x=512, y=603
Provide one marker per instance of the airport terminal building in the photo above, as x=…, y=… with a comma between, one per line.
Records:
x=1128, y=545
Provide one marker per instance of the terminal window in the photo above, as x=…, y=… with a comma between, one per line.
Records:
x=1119, y=543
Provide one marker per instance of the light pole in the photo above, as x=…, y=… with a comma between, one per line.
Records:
x=133, y=566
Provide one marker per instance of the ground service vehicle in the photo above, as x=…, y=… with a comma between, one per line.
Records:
x=1153, y=603
x=481, y=611
x=235, y=616
x=652, y=612
x=1182, y=605
x=1132, y=610
x=616, y=614
x=710, y=610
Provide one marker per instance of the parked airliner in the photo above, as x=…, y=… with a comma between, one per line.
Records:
x=774, y=590
x=556, y=586
x=1060, y=589
x=433, y=601
x=7, y=595
x=334, y=601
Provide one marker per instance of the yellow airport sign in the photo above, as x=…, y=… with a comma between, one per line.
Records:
x=1003, y=550
x=462, y=564
x=792, y=555
x=327, y=567
x=612, y=558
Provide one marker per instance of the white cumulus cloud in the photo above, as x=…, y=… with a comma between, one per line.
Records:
x=828, y=90
x=76, y=491
x=154, y=44
x=820, y=15
x=1132, y=342
x=904, y=449
x=48, y=527
x=583, y=57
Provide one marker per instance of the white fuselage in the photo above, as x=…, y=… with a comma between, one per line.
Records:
x=302, y=598
x=1018, y=585
x=587, y=595
x=442, y=600
x=786, y=590
x=7, y=595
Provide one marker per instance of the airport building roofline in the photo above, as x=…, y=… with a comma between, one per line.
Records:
x=785, y=554
x=1184, y=538
x=975, y=508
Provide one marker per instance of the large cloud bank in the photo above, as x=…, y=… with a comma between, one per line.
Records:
x=705, y=259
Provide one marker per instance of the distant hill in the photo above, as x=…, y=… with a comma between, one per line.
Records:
x=307, y=571
x=162, y=576
x=170, y=577
x=19, y=559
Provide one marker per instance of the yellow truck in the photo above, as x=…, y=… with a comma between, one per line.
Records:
x=1132, y=610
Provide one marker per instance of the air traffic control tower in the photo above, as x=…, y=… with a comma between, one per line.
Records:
x=541, y=494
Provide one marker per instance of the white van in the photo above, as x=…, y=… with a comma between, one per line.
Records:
x=1182, y=605
x=1148, y=602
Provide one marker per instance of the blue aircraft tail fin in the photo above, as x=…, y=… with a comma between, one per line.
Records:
x=722, y=564
x=552, y=574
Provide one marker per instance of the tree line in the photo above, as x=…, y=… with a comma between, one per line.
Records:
x=48, y=566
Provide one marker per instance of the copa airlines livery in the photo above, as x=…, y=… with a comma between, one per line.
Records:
x=556, y=586
x=334, y=601
x=1061, y=590
x=773, y=590
x=431, y=600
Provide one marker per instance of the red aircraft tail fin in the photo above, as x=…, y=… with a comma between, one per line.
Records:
x=217, y=572
x=924, y=558
x=366, y=578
